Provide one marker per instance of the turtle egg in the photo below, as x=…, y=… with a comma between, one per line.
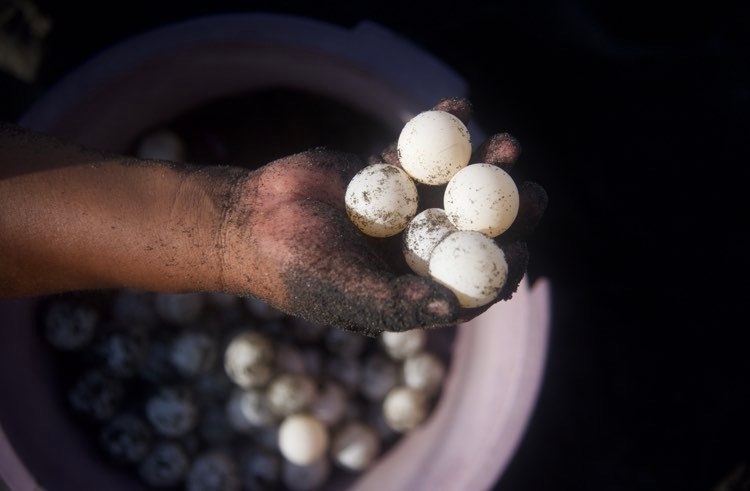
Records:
x=424, y=371
x=433, y=146
x=214, y=470
x=482, y=197
x=126, y=438
x=69, y=327
x=248, y=358
x=97, y=395
x=404, y=408
x=248, y=410
x=172, y=411
x=471, y=265
x=355, y=446
x=289, y=393
x=400, y=345
x=193, y=353
x=303, y=439
x=422, y=235
x=381, y=199
x=166, y=465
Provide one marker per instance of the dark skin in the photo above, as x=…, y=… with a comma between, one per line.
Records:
x=77, y=219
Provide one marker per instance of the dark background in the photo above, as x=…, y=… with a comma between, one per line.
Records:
x=635, y=119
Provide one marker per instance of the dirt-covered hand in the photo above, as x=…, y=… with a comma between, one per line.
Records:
x=286, y=238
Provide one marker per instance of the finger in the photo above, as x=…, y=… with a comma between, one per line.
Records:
x=460, y=107
x=390, y=155
x=501, y=150
x=533, y=202
x=517, y=257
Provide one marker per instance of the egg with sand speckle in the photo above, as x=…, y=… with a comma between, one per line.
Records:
x=471, y=265
x=482, y=197
x=433, y=146
x=381, y=199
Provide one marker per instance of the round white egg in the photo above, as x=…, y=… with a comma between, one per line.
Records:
x=400, y=345
x=303, y=439
x=248, y=410
x=381, y=199
x=421, y=236
x=248, y=359
x=355, y=446
x=291, y=392
x=424, y=371
x=471, y=265
x=404, y=408
x=482, y=197
x=433, y=146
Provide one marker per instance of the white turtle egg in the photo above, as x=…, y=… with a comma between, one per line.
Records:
x=291, y=392
x=303, y=439
x=247, y=410
x=482, y=197
x=404, y=408
x=424, y=371
x=433, y=146
x=471, y=265
x=422, y=235
x=381, y=199
x=400, y=345
x=355, y=446
x=248, y=359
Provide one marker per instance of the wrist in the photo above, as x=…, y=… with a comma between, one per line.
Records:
x=203, y=217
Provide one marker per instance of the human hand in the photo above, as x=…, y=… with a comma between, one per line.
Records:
x=286, y=238
x=78, y=218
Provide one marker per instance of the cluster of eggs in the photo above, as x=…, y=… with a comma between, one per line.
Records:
x=453, y=245
x=214, y=392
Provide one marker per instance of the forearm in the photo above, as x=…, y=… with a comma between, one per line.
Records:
x=78, y=219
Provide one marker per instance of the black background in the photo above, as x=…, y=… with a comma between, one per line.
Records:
x=635, y=119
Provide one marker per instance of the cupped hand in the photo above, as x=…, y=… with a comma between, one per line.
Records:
x=286, y=238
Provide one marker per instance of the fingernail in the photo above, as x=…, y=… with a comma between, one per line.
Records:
x=438, y=307
x=438, y=310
